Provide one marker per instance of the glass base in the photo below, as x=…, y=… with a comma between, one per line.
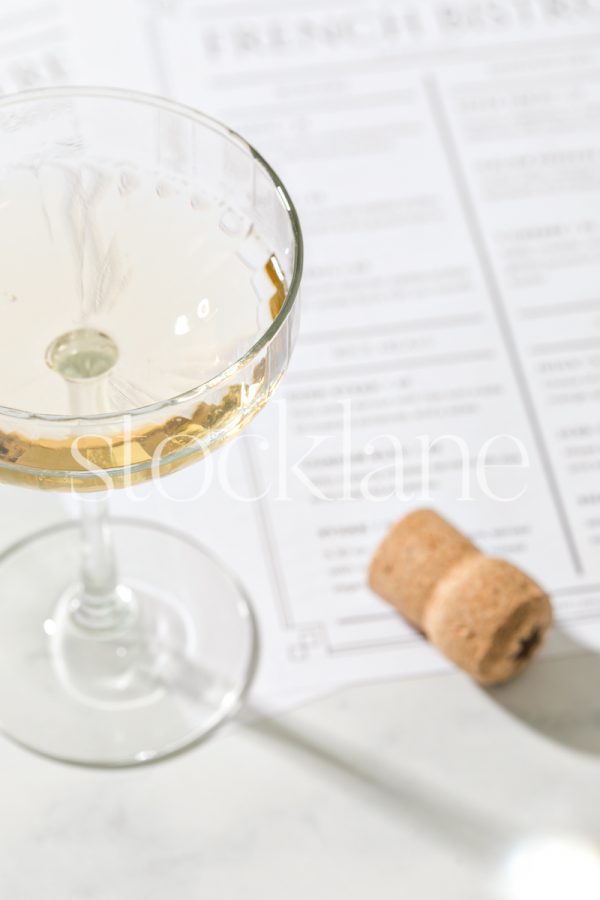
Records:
x=173, y=668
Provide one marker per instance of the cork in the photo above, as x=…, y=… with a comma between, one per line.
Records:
x=483, y=613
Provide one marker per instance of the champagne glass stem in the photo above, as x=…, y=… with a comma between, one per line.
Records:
x=84, y=358
x=101, y=602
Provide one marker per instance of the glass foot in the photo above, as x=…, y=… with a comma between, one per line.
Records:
x=166, y=674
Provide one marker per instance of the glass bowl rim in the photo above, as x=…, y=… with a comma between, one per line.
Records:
x=187, y=112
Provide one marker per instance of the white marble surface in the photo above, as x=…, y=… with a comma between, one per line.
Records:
x=414, y=789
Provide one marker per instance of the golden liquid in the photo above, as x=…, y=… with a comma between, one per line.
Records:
x=95, y=461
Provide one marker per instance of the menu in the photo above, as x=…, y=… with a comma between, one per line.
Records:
x=445, y=161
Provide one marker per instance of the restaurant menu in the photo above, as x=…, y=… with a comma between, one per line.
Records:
x=444, y=158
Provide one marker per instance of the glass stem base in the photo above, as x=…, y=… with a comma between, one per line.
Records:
x=125, y=677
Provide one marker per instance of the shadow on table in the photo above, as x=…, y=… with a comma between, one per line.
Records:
x=558, y=696
x=446, y=817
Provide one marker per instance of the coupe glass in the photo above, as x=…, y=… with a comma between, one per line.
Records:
x=122, y=642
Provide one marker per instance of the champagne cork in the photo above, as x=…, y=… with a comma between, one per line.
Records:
x=484, y=614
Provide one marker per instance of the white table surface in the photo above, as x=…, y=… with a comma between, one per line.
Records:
x=413, y=789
